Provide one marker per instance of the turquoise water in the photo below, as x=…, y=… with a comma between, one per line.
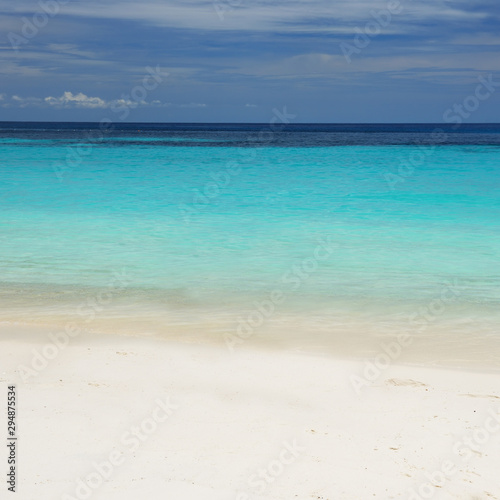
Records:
x=215, y=220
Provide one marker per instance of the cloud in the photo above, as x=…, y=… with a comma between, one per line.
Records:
x=68, y=100
x=22, y=102
x=318, y=16
x=159, y=104
x=193, y=105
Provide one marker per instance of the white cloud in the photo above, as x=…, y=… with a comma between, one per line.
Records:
x=334, y=68
x=22, y=102
x=193, y=105
x=159, y=104
x=68, y=99
x=259, y=15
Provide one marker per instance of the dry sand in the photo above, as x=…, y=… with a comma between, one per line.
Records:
x=115, y=418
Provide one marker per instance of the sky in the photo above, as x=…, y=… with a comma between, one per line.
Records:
x=329, y=61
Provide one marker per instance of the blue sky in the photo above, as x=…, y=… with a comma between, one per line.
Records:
x=237, y=60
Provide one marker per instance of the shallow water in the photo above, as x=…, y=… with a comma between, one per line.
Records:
x=185, y=226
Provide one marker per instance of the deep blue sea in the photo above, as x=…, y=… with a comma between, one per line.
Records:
x=192, y=226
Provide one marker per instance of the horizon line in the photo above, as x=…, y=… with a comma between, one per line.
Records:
x=453, y=125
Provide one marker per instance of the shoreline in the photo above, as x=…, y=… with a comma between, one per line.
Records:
x=460, y=345
x=217, y=425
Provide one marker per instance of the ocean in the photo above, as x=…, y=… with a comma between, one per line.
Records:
x=299, y=233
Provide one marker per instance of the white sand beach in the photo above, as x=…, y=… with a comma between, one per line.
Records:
x=117, y=417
